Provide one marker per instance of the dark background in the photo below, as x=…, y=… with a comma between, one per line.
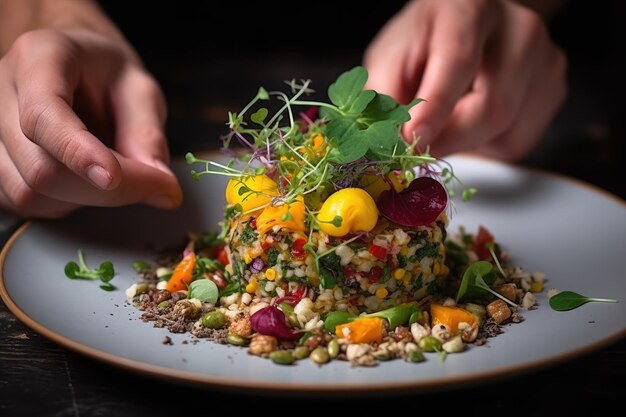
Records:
x=211, y=57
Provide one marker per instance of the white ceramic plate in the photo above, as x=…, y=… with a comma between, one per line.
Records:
x=573, y=233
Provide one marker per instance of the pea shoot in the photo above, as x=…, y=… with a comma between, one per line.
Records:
x=105, y=272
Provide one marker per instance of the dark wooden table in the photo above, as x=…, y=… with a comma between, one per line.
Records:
x=39, y=378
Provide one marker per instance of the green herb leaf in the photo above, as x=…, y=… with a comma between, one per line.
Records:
x=140, y=266
x=204, y=290
x=80, y=270
x=347, y=88
x=468, y=288
x=569, y=300
x=71, y=269
x=259, y=116
x=398, y=315
x=327, y=279
x=335, y=318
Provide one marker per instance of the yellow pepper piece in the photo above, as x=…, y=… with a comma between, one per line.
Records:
x=361, y=330
x=262, y=189
x=356, y=208
x=375, y=185
x=272, y=216
x=451, y=316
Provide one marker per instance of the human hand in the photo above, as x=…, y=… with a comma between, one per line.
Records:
x=488, y=70
x=81, y=123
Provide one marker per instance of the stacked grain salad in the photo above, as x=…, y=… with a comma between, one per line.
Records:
x=333, y=244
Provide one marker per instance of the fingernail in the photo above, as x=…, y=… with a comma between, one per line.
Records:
x=162, y=201
x=99, y=176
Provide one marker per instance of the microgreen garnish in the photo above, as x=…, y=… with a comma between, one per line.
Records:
x=474, y=284
x=80, y=270
x=569, y=300
x=358, y=134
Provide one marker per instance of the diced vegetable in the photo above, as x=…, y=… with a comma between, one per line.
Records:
x=451, y=316
x=362, y=330
x=181, y=277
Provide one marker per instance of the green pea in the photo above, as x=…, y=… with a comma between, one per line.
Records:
x=430, y=344
x=235, y=339
x=214, y=319
x=301, y=352
x=282, y=357
x=416, y=356
x=319, y=355
x=142, y=288
x=333, y=348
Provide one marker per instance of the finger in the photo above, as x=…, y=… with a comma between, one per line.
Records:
x=45, y=86
x=500, y=88
x=139, y=111
x=395, y=62
x=19, y=198
x=455, y=53
x=544, y=99
x=47, y=176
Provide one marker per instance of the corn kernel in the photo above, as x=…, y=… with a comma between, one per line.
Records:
x=407, y=279
x=444, y=270
x=247, y=258
x=270, y=274
x=536, y=287
x=381, y=293
x=436, y=268
x=398, y=274
x=404, y=250
x=252, y=286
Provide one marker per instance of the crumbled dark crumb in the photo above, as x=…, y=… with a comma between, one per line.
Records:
x=167, y=340
x=489, y=329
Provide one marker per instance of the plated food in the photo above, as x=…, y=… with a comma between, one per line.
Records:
x=334, y=242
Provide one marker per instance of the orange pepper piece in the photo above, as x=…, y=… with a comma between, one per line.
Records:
x=451, y=316
x=181, y=277
x=361, y=330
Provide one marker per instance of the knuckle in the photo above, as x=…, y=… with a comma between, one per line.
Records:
x=34, y=117
x=38, y=173
x=22, y=197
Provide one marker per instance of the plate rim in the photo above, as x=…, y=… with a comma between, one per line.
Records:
x=220, y=382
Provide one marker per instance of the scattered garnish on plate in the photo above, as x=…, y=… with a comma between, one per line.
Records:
x=105, y=272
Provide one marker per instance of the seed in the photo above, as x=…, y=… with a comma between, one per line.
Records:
x=301, y=352
x=292, y=318
x=333, y=348
x=320, y=355
x=236, y=340
x=142, y=288
x=214, y=319
x=430, y=344
x=282, y=357
x=416, y=356
x=164, y=304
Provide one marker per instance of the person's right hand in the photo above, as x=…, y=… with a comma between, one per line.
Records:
x=61, y=92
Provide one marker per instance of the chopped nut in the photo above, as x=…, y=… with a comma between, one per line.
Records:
x=454, y=345
x=262, y=344
x=401, y=334
x=529, y=300
x=241, y=326
x=508, y=290
x=356, y=350
x=499, y=311
x=418, y=331
x=441, y=332
x=186, y=308
x=469, y=333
